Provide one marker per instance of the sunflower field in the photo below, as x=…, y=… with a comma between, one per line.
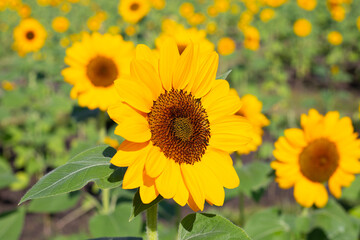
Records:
x=159, y=119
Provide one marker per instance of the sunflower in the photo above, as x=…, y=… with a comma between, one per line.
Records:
x=29, y=36
x=60, y=24
x=132, y=11
x=94, y=64
x=179, y=125
x=183, y=36
x=324, y=152
x=226, y=46
x=302, y=27
x=251, y=110
x=335, y=38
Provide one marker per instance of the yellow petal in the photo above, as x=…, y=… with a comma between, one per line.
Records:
x=219, y=89
x=339, y=179
x=214, y=191
x=321, y=196
x=134, y=174
x=168, y=181
x=230, y=133
x=182, y=194
x=169, y=56
x=193, y=184
x=128, y=152
x=155, y=162
x=220, y=163
x=295, y=137
x=143, y=52
x=135, y=94
x=185, y=69
x=148, y=191
x=227, y=105
x=305, y=192
x=192, y=204
x=206, y=75
x=144, y=72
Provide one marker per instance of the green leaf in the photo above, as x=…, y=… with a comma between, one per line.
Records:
x=224, y=75
x=117, y=238
x=6, y=175
x=138, y=206
x=254, y=177
x=54, y=204
x=352, y=193
x=335, y=222
x=90, y=165
x=268, y=225
x=115, y=224
x=114, y=180
x=198, y=226
x=12, y=223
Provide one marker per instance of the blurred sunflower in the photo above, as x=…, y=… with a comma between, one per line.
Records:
x=358, y=23
x=60, y=24
x=335, y=38
x=29, y=36
x=132, y=11
x=251, y=110
x=302, y=27
x=267, y=14
x=94, y=64
x=183, y=36
x=179, y=125
x=186, y=9
x=308, y=5
x=252, y=38
x=325, y=150
x=226, y=46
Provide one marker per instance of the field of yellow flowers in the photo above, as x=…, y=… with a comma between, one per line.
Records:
x=155, y=119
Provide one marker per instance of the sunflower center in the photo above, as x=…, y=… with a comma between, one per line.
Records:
x=30, y=35
x=319, y=160
x=102, y=71
x=134, y=6
x=179, y=126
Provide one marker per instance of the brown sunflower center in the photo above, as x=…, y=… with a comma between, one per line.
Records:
x=102, y=71
x=179, y=126
x=134, y=6
x=319, y=160
x=30, y=35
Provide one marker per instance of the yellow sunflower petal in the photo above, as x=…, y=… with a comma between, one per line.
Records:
x=135, y=94
x=230, y=133
x=182, y=194
x=339, y=179
x=220, y=163
x=128, y=152
x=192, y=204
x=295, y=137
x=305, y=192
x=148, y=191
x=145, y=73
x=227, y=105
x=206, y=75
x=185, y=69
x=156, y=162
x=193, y=184
x=219, y=89
x=169, y=56
x=143, y=52
x=321, y=196
x=133, y=176
x=168, y=181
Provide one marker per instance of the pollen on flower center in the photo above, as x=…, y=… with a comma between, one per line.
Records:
x=179, y=126
x=319, y=160
x=102, y=71
x=30, y=35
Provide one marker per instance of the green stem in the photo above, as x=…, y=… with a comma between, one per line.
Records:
x=151, y=223
x=241, y=210
x=106, y=200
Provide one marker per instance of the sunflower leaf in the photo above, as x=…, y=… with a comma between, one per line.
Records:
x=138, y=206
x=90, y=165
x=198, y=226
x=224, y=75
x=12, y=223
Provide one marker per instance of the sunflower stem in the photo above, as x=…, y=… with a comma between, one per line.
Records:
x=241, y=210
x=151, y=223
x=105, y=200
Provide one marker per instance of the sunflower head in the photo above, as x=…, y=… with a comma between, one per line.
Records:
x=324, y=151
x=29, y=36
x=179, y=125
x=94, y=64
x=132, y=11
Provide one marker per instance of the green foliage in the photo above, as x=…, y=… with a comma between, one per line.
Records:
x=54, y=204
x=138, y=206
x=198, y=226
x=115, y=224
x=12, y=223
x=90, y=165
